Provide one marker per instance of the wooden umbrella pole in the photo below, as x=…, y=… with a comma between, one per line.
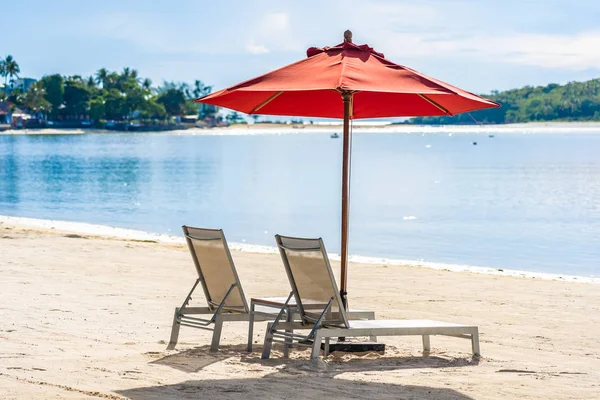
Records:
x=347, y=98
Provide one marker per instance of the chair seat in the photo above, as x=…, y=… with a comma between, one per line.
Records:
x=404, y=323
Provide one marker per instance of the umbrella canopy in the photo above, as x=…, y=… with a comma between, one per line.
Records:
x=350, y=82
x=311, y=88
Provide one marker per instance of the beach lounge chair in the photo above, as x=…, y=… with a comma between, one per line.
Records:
x=223, y=291
x=320, y=307
x=219, y=280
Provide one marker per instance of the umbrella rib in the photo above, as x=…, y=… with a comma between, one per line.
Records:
x=439, y=107
x=267, y=101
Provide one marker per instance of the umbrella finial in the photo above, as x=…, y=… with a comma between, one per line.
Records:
x=348, y=36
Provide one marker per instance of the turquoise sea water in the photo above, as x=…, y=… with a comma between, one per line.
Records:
x=514, y=201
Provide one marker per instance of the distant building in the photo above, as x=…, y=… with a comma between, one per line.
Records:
x=206, y=110
x=189, y=119
x=19, y=118
x=5, y=113
x=22, y=83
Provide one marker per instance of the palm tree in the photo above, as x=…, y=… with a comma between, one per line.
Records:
x=91, y=82
x=147, y=84
x=200, y=89
x=11, y=68
x=101, y=76
x=3, y=72
x=126, y=72
x=184, y=87
x=128, y=75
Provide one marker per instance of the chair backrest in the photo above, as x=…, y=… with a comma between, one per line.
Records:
x=311, y=278
x=215, y=268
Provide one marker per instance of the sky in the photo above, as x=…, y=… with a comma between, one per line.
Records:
x=478, y=45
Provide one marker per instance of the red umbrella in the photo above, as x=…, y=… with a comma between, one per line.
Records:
x=350, y=82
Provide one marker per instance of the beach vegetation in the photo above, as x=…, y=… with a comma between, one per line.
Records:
x=121, y=97
x=575, y=101
x=9, y=69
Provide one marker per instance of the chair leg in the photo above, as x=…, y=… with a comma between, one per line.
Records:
x=268, y=342
x=475, y=343
x=372, y=317
x=316, y=349
x=326, y=350
x=214, y=346
x=251, y=327
x=174, y=331
x=288, y=341
x=426, y=344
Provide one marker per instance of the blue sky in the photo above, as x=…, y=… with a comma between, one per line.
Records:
x=479, y=45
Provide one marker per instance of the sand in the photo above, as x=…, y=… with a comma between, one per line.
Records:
x=85, y=317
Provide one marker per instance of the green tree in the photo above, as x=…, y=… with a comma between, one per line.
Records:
x=35, y=98
x=3, y=74
x=114, y=105
x=135, y=97
x=76, y=97
x=153, y=110
x=200, y=89
x=8, y=70
x=173, y=100
x=147, y=84
x=234, y=117
x=54, y=90
x=114, y=81
x=97, y=109
x=17, y=97
x=91, y=82
x=101, y=76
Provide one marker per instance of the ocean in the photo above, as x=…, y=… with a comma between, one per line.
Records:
x=510, y=198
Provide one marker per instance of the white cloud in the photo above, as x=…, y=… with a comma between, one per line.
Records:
x=403, y=31
x=275, y=33
x=561, y=51
x=256, y=49
x=275, y=23
x=424, y=31
x=573, y=52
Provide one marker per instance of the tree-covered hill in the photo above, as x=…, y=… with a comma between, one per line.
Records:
x=575, y=101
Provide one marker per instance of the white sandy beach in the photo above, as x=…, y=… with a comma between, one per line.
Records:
x=88, y=316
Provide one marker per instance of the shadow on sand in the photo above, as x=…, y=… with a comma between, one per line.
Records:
x=197, y=358
x=281, y=385
x=296, y=378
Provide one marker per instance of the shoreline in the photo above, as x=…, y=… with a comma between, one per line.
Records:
x=109, y=232
x=359, y=127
